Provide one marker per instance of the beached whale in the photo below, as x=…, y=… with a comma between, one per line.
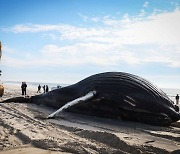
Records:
x=112, y=95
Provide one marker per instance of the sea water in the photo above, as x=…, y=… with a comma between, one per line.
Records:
x=169, y=91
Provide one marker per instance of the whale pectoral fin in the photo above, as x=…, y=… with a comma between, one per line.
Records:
x=88, y=96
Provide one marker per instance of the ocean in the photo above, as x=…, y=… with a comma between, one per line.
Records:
x=171, y=92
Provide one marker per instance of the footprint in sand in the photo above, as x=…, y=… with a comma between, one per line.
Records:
x=127, y=138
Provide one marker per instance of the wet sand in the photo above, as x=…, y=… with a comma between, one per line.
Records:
x=23, y=131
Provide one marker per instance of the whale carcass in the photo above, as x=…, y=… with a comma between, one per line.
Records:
x=111, y=95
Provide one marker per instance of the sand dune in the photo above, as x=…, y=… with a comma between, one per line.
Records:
x=23, y=130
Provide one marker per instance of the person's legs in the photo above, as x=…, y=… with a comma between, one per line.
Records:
x=177, y=101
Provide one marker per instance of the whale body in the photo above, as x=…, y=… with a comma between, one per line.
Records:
x=119, y=95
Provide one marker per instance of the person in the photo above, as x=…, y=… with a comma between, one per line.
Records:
x=23, y=88
x=177, y=99
x=44, y=88
x=47, y=88
x=58, y=86
x=39, y=89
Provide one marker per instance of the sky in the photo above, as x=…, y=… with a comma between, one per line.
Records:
x=65, y=41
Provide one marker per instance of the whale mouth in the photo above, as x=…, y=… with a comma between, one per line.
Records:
x=175, y=117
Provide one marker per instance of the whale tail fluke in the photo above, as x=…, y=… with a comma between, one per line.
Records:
x=17, y=100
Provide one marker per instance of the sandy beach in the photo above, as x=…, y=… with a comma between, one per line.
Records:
x=23, y=130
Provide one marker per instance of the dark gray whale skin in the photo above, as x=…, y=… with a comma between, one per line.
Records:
x=119, y=95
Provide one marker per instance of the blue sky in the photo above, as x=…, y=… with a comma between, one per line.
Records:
x=64, y=41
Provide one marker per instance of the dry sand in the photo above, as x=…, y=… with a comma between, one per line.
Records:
x=24, y=131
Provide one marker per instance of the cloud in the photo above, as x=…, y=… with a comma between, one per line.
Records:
x=85, y=18
x=129, y=40
x=158, y=28
x=34, y=28
x=142, y=13
x=80, y=54
x=95, y=19
x=157, y=11
x=146, y=4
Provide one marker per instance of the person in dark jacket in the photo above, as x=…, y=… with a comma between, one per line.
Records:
x=23, y=88
x=39, y=89
x=47, y=88
x=44, y=88
x=177, y=99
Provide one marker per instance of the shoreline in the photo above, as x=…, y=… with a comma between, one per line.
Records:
x=24, y=129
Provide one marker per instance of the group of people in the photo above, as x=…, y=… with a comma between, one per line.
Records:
x=24, y=86
x=45, y=88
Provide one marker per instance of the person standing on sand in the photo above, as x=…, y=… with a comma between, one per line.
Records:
x=23, y=88
x=47, y=88
x=44, y=88
x=177, y=99
x=39, y=89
